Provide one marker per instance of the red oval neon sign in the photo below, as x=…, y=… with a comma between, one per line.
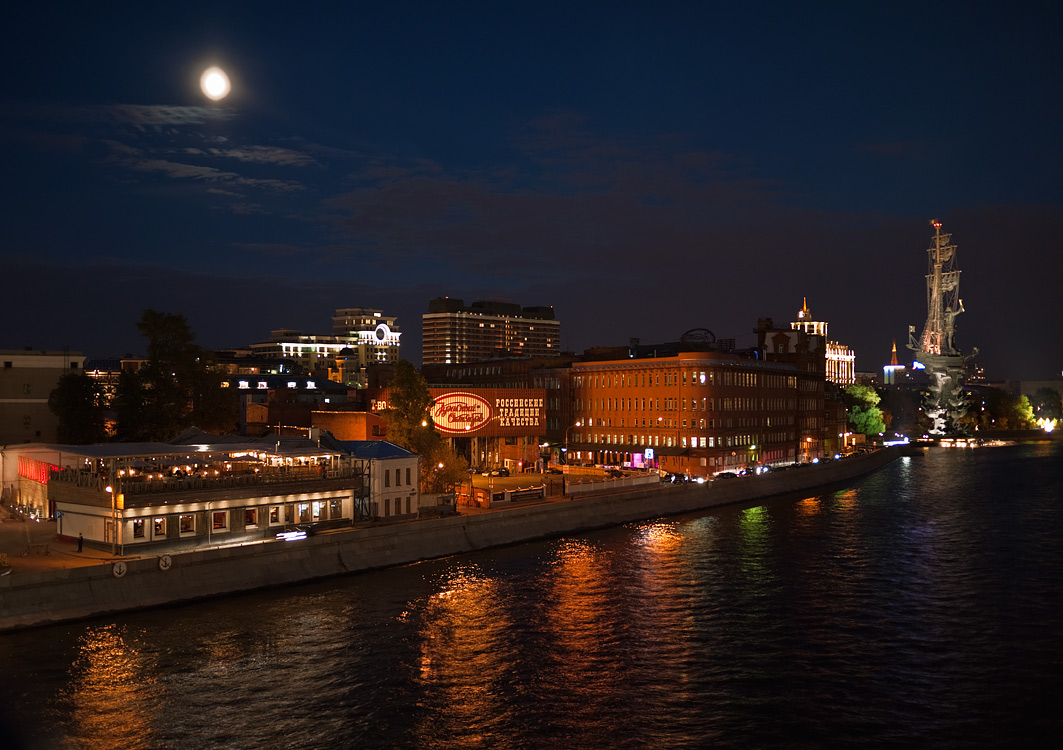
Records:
x=460, y=412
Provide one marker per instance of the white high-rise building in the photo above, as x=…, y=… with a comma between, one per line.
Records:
x=361, y=337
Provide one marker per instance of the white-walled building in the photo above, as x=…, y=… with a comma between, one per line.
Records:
x=361, y=337
x=394, y=476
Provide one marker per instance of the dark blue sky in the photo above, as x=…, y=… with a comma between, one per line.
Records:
x=645, y=168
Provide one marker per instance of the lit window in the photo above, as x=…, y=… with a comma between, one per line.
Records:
x=186, y=523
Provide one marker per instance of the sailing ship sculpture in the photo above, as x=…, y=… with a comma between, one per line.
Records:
x=936, y=349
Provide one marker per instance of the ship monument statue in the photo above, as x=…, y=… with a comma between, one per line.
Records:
x=936, y=349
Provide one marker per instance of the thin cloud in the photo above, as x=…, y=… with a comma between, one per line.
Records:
x=267, y=155
x=178, y=170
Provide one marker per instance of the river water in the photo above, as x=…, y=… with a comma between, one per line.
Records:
x=922, y=606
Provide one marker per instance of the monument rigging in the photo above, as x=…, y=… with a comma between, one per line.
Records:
x=936, y=349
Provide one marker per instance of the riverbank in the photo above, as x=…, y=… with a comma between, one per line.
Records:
x=57, y=594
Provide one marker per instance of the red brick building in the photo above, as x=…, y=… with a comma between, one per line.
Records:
x=698, y=412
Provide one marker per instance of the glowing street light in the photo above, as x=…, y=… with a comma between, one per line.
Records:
x=577, y=424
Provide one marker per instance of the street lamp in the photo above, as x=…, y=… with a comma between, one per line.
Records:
x=577, y=424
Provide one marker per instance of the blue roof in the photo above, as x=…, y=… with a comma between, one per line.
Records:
x=375, y=449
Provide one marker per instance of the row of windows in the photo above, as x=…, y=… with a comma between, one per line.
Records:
x=742, y=403
x=692, y=441
x=398, y=477
x=725, y=377
x=221, y=520
x=721, y=422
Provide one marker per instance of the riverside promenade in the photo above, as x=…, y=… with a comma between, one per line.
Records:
x=59, y=584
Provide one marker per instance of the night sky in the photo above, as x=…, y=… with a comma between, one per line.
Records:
x=645, y=168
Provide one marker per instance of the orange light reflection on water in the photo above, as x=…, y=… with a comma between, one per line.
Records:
x=464, y=656
x=110, y=692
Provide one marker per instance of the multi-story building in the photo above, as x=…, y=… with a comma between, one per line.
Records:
x=841, y=361
x=27, y=379
x=455, y=334
x=699, y=408
x=360, y=338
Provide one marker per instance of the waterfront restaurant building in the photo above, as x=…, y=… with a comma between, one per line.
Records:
x=696, y=413
x=147, y=497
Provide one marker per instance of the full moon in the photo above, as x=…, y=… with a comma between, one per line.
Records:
x=215, y=83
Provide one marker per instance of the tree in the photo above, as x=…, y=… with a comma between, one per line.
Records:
x=1047, y=404
x=77, y=402
x=175, y=389
x=1024, y=413
x=409, y=424
x=864, y=413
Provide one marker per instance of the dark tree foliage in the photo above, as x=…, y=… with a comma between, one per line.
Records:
x=129, y=408
x=1047, y=404
x=993, y=409
x=905, y=407
x=77, y=402
x=177, y=387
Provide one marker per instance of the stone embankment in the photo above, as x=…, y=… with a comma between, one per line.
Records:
x=50, y=596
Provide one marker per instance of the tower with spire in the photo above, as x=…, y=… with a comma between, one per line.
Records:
x=841, y=361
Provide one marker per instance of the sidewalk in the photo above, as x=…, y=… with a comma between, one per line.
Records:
x=17, y=535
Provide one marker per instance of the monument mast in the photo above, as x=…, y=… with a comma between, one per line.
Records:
x=936, y=349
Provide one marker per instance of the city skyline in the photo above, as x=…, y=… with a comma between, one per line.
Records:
x=644, y=172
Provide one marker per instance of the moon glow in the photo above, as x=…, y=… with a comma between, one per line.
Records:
x=215, y=84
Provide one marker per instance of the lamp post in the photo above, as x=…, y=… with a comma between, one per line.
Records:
x=577, y=424
x=114, y=519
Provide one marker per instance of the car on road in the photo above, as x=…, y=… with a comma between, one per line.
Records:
x=554, y=470
x=502, y=471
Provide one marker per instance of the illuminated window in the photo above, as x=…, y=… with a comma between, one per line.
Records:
x=158, y=528
x=250, y=517
x=138, y=528
x=274, y=514
x=219, y=520
x=186, y=524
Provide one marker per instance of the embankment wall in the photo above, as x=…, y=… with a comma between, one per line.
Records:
x=60, y=595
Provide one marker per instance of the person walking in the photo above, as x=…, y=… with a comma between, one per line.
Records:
x=81, y=540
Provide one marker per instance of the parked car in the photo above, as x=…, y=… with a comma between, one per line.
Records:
x=554, y=470
x=501, y=471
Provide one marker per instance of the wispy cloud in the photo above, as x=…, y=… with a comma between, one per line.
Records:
x=284, y=157
x=178, y=170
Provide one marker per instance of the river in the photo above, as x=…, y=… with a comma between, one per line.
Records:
x=920, y=606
